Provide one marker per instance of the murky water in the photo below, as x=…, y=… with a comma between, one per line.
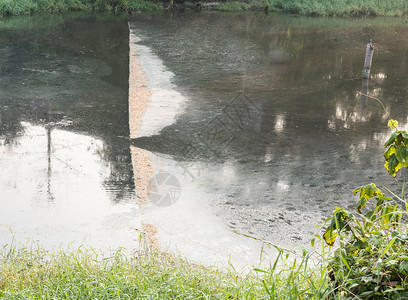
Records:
x=273, y=129
x=263, y=124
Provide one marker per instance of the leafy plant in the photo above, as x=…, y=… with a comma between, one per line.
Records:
x=371, y=260
x=396, y=155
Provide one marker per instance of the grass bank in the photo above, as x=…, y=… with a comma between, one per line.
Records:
x=19, y=7
x=303, y=7
x=342, y=7
x=349, y=8
x=88, y=274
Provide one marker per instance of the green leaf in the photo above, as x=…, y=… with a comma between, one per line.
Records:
x=343, y=258
x=354, y=285
x=341, y=218
x=404, y=134
x=330, y=236
x=259, y=270
x=404, y=266
x=393, y=165
x=386, y=216
x=359, y=233
x=402, y=155
x=390, y=151
x=361, y=203
x=367, y=192
x=396, y=217
x=392, y=138
x=370, y=190
x=380, y=201
x=338, y=223
x=404, y=238
x=388, y=247
x=367, y=294
x=399, y=139
x=367, y=279
x=357, y=190
x=370, y=216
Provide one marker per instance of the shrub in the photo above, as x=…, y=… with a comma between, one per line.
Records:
x=372, y=256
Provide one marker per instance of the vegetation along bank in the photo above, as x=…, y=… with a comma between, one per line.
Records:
x=303, y=7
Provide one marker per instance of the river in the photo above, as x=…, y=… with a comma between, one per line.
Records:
x=255, y=124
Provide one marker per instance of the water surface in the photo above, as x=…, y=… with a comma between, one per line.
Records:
x=273, y=129
x=65, y=159
x=257, y=117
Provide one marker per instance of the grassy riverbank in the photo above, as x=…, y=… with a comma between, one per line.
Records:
x=19, y=7
x=342, y=7
x=87, y=274
x=349, y=8
x=303, y=7
x=369, y=262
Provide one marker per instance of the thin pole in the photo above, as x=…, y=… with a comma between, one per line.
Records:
x=368, y=59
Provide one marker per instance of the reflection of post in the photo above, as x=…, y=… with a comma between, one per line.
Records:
x=139, y=96
x=49, y=145
x=363, y=94
x=142, y=172
x=49, y=148
x=368, y=59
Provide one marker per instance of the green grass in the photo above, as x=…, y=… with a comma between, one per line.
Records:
x=27, y=273
x=343, y=7
x=19, y=7
x=235, y=6
x=350, y=8
x=304, y=7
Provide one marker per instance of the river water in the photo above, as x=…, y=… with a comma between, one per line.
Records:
x=66, y=167
x=255, y=120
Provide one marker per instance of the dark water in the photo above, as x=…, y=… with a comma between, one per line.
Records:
x=273, y=109
x=273, y=129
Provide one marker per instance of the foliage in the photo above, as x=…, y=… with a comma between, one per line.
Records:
x=235, y=6
x=396, y=155
x=124, y=5
x=19, y=7
x=305, y=7
x=33, y=273
x=343, y=7
x=372, y=256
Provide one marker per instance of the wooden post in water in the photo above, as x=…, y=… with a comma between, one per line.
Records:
x=368, y=59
